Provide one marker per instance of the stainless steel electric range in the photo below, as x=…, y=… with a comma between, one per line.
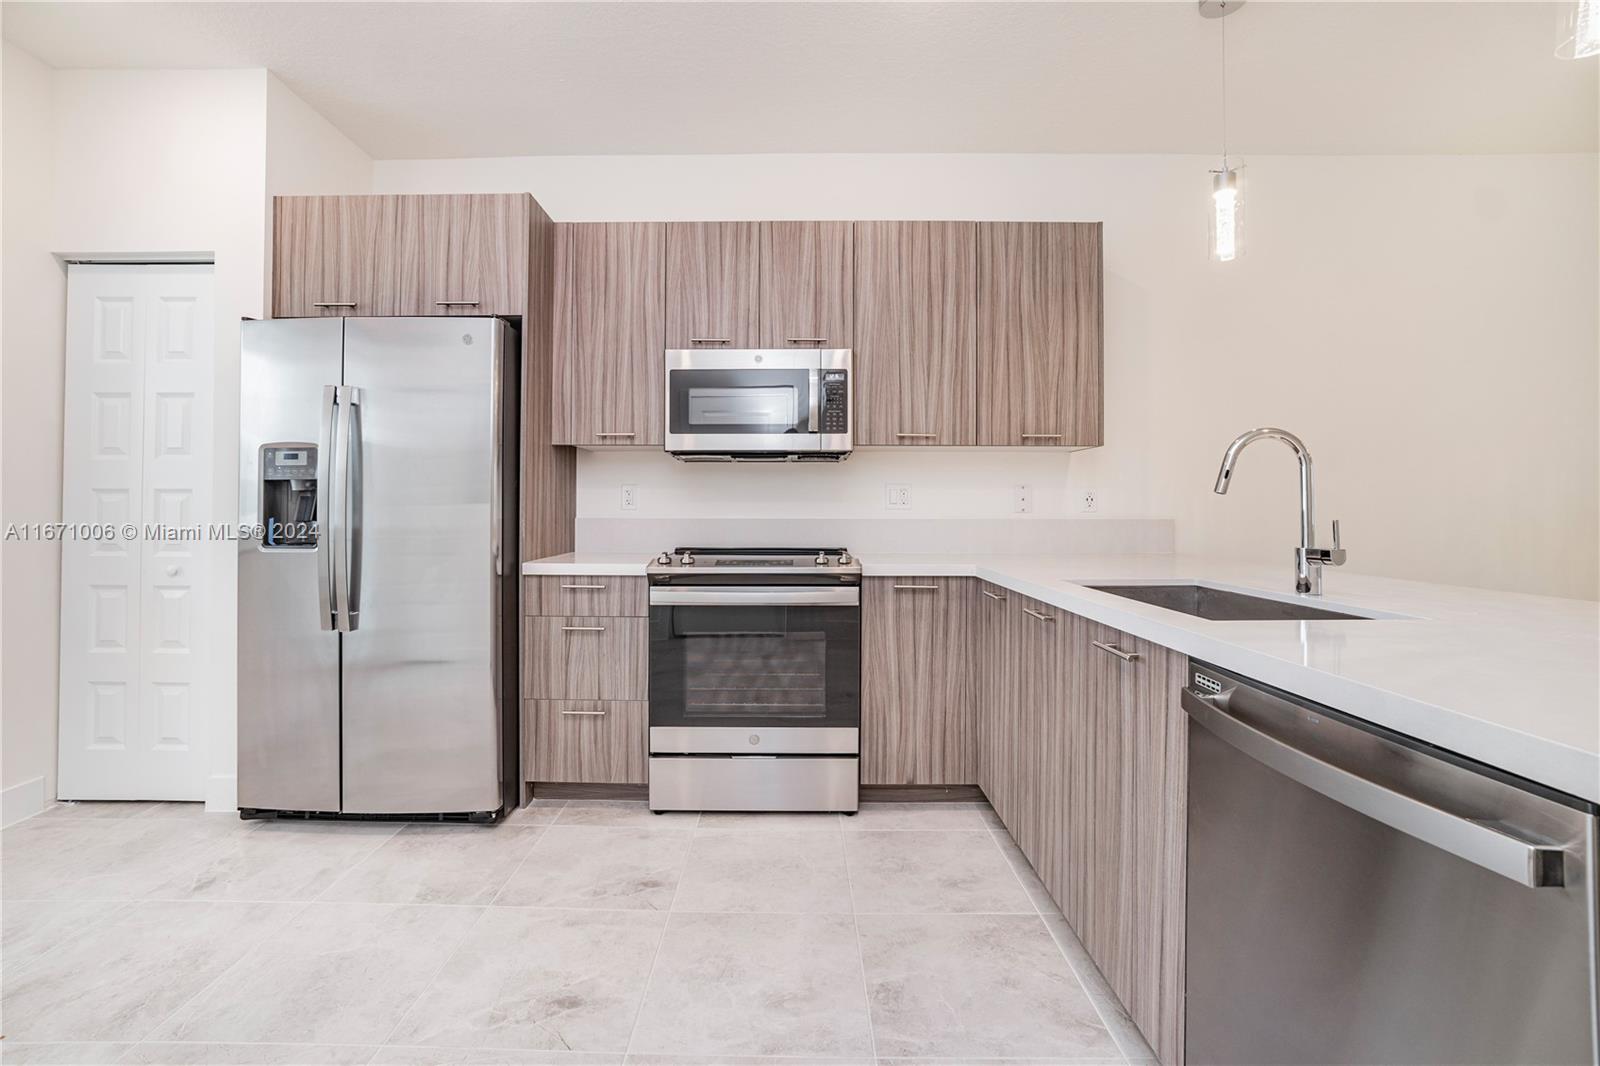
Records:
x=755, y=679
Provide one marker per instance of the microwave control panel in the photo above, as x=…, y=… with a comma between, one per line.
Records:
x=835, y=405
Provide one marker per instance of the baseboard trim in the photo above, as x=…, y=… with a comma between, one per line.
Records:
x=222, y=794
x=22, y=801
x=577, y=790
x=921, y=794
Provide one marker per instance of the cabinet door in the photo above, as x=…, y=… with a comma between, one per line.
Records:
x=476, y=255
x=713, y=279
x=329, y=255
x=916, y=304
x=1095, y=772
x=917, y=724
x=587, y=741
x=990, y=611
x=1037, y=641
x=805, y=285
x=1039, y=334
x=609, y=367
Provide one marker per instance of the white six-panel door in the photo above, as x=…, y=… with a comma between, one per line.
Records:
x=137, y=452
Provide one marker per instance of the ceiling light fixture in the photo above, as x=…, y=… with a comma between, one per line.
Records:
x=1226, y=220
x=1580, y=30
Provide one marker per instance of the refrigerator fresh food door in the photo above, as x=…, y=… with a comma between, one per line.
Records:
x=421, y=718
x=288, y=648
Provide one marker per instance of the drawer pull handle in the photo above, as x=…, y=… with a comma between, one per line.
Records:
x=583, y=629
x=710, y=340
x=916, y=588
x=585, y=714
x=1036, y=614
x=1112, y=649
x=806, y=340
x=1041, y=436
x=455, y=303
x=334, y=303
x=583, y=586
x=992, y=595
x=917, y=436
x=614, y=434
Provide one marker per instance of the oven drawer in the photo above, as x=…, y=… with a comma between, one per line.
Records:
x=585, y=741
x=585, y=658
x=597, y=595
x=794, y=783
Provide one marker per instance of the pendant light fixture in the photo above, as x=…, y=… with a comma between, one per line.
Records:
x=1580, y=30
x=1226, y=218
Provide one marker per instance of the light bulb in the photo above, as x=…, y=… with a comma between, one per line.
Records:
x=1226, y=215
x=1580, y=30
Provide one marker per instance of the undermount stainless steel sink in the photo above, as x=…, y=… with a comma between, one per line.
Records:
x=1221, y=605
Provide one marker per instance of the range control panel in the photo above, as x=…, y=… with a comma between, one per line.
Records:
x=835, y=404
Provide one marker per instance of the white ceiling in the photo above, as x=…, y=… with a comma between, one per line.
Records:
x=429, y=80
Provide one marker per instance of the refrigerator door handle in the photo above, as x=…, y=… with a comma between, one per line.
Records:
x=347, y=540
x=496, y=473
x=325, y=524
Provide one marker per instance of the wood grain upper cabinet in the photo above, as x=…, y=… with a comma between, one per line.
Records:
x=334, y=255
x=713, y=281
x=609, y=337
x=917, y=725
x=916, y=304
x=1039, y=334
x=474, y=255
x=806, y=285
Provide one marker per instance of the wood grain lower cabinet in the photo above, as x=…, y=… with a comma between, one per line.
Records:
x=917, y=708
x=585, y=658
x=609, y=333
x=915, y=357
x=1040, y=334
x=593, y=594
x=586, y=741
x=713, y=284
x=806, y=285
x=993, y=673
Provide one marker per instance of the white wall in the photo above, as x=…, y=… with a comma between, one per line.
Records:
x=1426, y=323
x=32, y=290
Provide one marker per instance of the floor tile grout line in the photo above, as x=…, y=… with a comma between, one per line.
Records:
x=1044, y=920
x=861, y=951
x=515, y=870
x=650, y=974
x=433, y=977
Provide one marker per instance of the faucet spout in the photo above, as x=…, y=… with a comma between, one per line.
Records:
x=1308, y=559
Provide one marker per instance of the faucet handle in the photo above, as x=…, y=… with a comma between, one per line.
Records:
x=1336, y=534
x=1335, y=555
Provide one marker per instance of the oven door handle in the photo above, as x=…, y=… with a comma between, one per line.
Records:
x=751, y=596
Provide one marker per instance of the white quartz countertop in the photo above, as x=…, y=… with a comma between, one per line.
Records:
x=1508, y=679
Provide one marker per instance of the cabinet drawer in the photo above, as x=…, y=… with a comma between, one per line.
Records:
x=586, y=741
x=585, y=658
x=599, y=595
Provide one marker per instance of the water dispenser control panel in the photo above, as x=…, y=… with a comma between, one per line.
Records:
x=289, y=495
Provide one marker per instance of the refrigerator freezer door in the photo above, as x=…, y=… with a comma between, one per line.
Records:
x=421, y=723
x=288, y=655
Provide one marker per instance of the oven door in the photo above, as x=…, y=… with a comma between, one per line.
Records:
x=745, y=401
x=768, y=670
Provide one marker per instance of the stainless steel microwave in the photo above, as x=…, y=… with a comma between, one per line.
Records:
x=758, y=404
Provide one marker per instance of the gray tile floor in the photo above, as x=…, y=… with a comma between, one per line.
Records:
x=582, y=932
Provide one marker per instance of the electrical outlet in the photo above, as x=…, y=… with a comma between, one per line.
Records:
x=630, y=497
x=1090, y=503
x=1022, y=499
x=897, y=496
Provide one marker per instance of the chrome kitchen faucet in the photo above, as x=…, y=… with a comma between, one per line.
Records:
x=1308, y=559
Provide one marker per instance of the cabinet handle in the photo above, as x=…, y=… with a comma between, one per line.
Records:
x=1041, y=436
x=991, y=595
x=455, y=303
x=916, y=588
x=806, y=340
x=585, y=714
x=583, y=586
x=1036, y=614
x=918, y=436
x=614, y=434
x=334, y=303
x=583, y=629
x=1112, y=649
x=710, y=340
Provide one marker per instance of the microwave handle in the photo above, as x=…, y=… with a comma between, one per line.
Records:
x=815, y=425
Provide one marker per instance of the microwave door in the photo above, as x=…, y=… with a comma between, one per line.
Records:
x=741, y=409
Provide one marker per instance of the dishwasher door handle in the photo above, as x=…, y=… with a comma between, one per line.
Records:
x=1527, y=863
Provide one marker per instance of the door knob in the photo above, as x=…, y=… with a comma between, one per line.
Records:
x=174, y=571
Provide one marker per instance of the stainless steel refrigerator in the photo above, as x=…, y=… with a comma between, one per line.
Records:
x=377, y=592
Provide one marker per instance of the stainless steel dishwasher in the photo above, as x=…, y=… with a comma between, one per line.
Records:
x=1355, y=896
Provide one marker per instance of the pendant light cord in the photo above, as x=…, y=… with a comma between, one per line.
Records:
x=1224, y=22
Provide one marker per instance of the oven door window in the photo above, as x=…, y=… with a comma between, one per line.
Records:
x=739, y=401
x=755, y=666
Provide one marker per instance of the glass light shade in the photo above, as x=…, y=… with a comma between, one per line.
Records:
x=1580, y=30
x=1226, y=215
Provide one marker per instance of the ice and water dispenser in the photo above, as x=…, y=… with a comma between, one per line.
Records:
x=289, y=495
